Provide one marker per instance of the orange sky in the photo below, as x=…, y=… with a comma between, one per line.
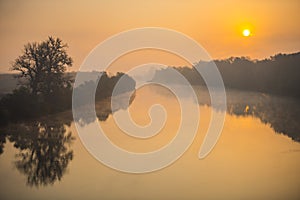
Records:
x=216, y=25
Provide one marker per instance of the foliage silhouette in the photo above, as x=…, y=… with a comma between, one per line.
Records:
x=44, y=150
x=43, y=65
x=23, y=104
x=281, y=113
x=46, y=90
x=280, y=74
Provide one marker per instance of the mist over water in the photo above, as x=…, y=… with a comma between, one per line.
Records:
x=257, y=155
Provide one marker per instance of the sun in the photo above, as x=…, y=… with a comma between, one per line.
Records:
x=246, y=32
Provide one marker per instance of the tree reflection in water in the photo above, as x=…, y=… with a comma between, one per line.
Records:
x=85, y=115
x=44, y=150
x=45, y=144
x=280, y=112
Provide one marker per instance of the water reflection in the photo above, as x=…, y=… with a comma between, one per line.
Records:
x=247, y=151
x=44, y=145
x=85, y=113
x=43, y=150
x=281, y=113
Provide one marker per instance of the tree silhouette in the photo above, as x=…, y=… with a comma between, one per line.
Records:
x=47, y=89
x=277, y=75
x=104, y=90
x=43, y=65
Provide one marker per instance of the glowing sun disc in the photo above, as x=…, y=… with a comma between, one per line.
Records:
x=246, y=32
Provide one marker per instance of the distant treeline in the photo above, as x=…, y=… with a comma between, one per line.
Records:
x=11, y=81
x=22, y=104
x=279, y=74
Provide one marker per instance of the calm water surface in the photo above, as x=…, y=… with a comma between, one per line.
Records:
x=256, y=157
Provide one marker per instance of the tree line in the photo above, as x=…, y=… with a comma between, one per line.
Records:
x=47, y=89
x=279, y=74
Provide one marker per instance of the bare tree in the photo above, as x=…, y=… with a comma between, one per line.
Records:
x=43, y=65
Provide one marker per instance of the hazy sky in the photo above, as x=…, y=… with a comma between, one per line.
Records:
x=216, y=25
